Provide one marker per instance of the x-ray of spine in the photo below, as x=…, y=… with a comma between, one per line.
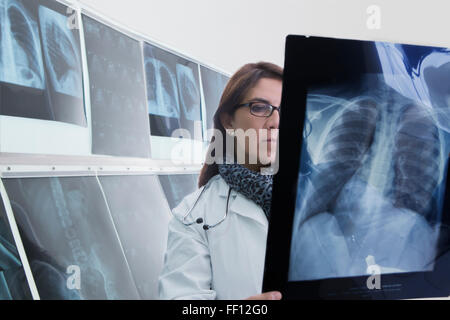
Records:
x=65, y=222
x=117, y=89
x=189, y=92
x=13, y=283
x=20, y=55
x=62, y=53
x=141, y=216
x=162, y=89
x=371, y=184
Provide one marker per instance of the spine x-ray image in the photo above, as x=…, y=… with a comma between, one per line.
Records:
x=373, y=170
x=65, y=223
x=189, y=92
x=117, y=89
x=20, y=55
x=62, y=54
x=141, y=215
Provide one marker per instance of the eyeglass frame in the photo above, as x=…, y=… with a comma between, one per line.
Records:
x=249, y=104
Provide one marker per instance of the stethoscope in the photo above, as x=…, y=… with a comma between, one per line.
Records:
x=200, y=220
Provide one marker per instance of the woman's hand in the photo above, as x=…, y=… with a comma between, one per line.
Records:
x=272, y=295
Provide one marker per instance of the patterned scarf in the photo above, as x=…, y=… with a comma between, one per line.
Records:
x=253, y=185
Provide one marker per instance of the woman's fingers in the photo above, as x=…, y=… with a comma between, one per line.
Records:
x=272, y=295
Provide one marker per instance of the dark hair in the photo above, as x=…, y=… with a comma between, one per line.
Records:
x=235, y=91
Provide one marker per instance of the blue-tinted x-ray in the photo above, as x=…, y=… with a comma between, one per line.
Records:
x=213, y=85
x=117, y=89
x=65, y=224
x=62, y=54
x=13, y=283
x=178, y=186
x=373, y=169
x=20, y=49
x=162, y=89
x=141, y=216
x=189, y=92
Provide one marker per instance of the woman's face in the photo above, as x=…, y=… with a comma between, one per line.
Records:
x=264, y=129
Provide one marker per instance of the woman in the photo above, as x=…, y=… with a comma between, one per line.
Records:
x=217, y=239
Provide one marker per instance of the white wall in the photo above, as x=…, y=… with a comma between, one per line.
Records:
x=229, y=33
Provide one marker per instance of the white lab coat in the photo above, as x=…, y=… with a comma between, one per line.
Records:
x=225, y=262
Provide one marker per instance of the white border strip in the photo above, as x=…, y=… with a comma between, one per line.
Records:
x=19, y=244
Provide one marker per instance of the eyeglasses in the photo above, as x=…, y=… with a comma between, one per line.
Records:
x=260, y=109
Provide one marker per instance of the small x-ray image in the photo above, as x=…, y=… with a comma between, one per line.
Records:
x=40, y=63
x=13, y=283
x=213, y=85
x=373, y=166
x=61, y=52
x=21, y=60
x=117, y=90
x=141, y=215
x=178, y=186
x=70, y=239
x=173, y=92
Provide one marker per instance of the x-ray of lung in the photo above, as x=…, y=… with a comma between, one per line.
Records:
x=62, y=53
x=20, y=56
x=141, y=215
x=213, y=85
x=40, y=72
x=68, y=234
x=117, y=87
x=13, y=283
x=178, y=186
x=373, y=169
x=173, y=92
x=189, y=91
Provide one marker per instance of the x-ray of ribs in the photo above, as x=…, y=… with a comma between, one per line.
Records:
x=20, y=56
x=415, y=160
x=343, y=151
x=401, y=133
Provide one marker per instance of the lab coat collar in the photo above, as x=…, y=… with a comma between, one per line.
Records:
x=242, y=205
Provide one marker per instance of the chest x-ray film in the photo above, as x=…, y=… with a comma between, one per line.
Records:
x=70, y=238
x=178, y=186
x=117, y=90
x=13, y=283
x=173, y=92
x=40, y=62
x=141, y=215
x=213, y=85
x=373, y=118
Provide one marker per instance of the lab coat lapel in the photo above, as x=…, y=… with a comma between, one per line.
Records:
x=243, y=206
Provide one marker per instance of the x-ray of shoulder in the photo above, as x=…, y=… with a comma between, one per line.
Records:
x=373, y=169
x=213, y=85
x=178, y=186
x=117, y=90
x=141, y=215
x=70, y=238
x=20, y=55
x=13, y=283
x=62, y=53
